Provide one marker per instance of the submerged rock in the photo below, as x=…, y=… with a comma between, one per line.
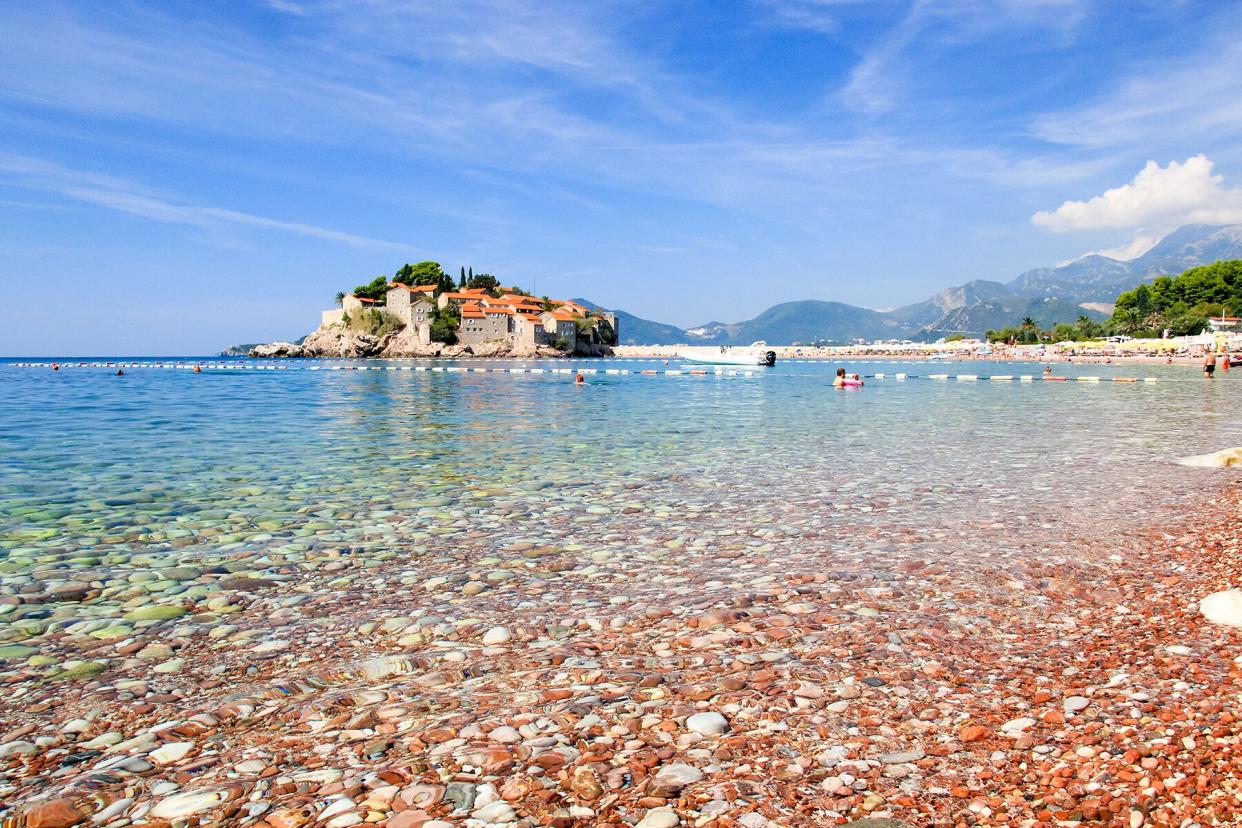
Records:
x=1223, y=607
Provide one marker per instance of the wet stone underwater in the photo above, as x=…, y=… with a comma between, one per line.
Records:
x=419, y=599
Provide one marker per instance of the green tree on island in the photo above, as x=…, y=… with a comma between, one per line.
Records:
x=425, y=273
x=484, y=280
x=374, y=290
x=445, y=323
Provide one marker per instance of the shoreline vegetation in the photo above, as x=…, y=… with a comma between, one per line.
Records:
x=1180, y=306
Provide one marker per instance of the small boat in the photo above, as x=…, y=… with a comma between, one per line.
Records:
x=757, y=353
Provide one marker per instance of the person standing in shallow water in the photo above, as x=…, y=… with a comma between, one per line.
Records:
x=1209, y=364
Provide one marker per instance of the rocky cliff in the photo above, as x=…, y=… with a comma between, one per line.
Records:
x=339, y=341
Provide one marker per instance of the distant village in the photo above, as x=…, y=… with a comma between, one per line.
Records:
x=475, y=312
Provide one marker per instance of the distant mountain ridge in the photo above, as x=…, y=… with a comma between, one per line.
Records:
x=1084, y=287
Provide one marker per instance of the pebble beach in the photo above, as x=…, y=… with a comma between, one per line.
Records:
x=715, y=626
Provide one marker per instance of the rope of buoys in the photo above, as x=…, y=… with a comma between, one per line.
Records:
x=202, y=367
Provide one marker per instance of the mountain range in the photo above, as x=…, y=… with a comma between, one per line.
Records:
x=1084, y=287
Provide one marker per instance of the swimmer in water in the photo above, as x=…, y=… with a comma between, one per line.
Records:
x=843, y=381
x=120, y=373
x=580, y=379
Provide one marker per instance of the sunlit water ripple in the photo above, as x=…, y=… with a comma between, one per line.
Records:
x=103, y=471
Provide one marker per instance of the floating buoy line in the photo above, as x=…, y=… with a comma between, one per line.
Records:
x=201, y=367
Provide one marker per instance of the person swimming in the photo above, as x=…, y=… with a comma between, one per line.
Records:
x=842, y=380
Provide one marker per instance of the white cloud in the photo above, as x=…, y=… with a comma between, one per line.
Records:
x=1136, y=247
x=1154, y=203
x=1158, y=197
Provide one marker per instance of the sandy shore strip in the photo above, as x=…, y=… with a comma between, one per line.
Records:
x=788, y=352
x=750, y=680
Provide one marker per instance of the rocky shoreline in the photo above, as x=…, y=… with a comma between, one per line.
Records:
x=338, y=341
x=547, y=684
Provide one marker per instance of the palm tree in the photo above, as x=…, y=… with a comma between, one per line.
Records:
x=1128, y=321
x=340, y=298
x=1155, y=320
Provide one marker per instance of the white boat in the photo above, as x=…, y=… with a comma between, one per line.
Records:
x=757, y=353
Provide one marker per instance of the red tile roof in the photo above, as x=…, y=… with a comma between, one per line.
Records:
x=415, y=288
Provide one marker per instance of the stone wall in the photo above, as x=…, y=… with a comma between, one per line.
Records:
x=487, y=329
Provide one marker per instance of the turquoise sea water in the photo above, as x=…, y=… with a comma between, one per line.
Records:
x=106, y=473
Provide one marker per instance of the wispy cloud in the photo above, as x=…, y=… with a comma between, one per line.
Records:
x=1195, y=96
x=527, y=91
x=881, y=78
x=822, y=16
x=134, y=199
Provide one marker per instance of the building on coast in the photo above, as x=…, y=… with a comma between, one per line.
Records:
x=504, y=315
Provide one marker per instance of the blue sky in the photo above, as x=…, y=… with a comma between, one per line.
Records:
x=176, y=177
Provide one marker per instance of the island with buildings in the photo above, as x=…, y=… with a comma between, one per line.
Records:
x=423, y=312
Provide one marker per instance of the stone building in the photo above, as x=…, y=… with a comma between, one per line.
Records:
x=524, y=321
x=478, y=326
x=412, y=305
x=560, y=324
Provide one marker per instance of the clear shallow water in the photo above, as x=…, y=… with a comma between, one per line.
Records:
x=110, y=473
